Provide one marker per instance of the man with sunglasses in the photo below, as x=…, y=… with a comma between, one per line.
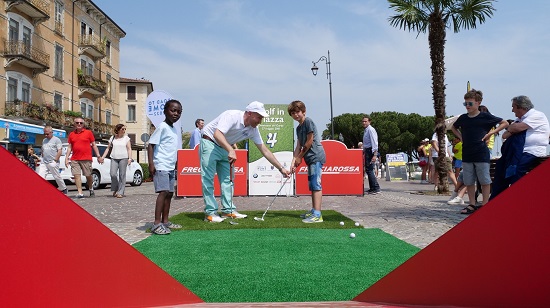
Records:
x=81, y=141
x=474, y=128
x=51, y=151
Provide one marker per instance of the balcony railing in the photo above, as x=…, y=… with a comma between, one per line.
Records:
x=38, y=10
x=52, y=116
x=92, y=45
x=58, y=27
x=22, y=50
x=91, y=84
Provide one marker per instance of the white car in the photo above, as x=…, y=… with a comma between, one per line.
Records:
x=100, y=172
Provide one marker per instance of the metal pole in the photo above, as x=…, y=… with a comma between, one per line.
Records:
x=330, y=90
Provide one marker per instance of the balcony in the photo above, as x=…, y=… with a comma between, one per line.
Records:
x=91, y=45
x=37, y=10
x=31, y=112
x=58, y=28
x=92, y=85
x=26, y=55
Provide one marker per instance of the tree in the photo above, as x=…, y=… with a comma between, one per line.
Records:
x=435, y=16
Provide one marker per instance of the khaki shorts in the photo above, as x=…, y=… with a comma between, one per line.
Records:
x=83, y=167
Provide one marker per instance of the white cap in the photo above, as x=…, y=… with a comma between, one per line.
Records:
x=257, y=107
x=425, y=140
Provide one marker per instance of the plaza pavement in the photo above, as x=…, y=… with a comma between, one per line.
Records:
x=401, y=210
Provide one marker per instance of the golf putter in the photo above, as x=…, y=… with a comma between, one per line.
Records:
x=270, y=204
x=231, y=174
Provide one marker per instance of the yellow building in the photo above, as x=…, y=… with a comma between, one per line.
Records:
x=60, y=60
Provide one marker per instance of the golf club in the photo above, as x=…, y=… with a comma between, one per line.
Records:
x=270, y=204
x=231, y=174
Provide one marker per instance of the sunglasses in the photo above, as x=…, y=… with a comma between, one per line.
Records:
x=78, y=122
x=468, y=104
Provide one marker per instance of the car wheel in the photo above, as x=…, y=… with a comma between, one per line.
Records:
x=138, y=179
x=95, y=179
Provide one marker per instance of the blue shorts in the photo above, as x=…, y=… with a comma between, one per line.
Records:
x=314, y=172
x=479, y=171
x=164, y=180
x=458, y=163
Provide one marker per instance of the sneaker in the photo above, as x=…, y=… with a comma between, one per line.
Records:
x=172, y=225
x=307, y=214
x=92, y=193
x=453, y=195
x=64, y=191
x=374, y=192
x=79, y=196
x=313, y=219
x=160, y=229
x=213, y=218
x=234, y=214
x=456, y=200
x=424, y=182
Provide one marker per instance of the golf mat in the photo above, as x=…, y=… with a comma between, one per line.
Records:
x=276, y=264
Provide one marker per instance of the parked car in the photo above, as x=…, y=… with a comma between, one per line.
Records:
x=101, y=176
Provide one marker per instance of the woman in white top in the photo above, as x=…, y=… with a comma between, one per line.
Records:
x=121, y=151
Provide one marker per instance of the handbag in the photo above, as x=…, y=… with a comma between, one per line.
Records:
x=110, y=148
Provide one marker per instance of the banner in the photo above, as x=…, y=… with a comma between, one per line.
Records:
x=397, y=167
x=30, y=128
x=189, y=174
x=18, y=136
x=154, y=108
x=277, y=132
x=342, y=172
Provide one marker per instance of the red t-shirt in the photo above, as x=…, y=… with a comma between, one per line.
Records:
x=80, y=144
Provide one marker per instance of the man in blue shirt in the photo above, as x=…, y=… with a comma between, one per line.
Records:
x=197, y=133
x=370, y=151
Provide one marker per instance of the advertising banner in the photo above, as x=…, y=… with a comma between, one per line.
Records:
x=277, y=132
x=29, y=128
x=154, y=109
x=18, y=136
x=189, y=174
x=397, y=167
x=342, y=173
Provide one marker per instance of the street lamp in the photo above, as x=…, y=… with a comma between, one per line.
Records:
x=314, y=70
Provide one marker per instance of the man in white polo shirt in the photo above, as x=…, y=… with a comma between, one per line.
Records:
x=217, y=155
x=537, y=131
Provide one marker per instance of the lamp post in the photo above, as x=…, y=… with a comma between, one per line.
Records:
x=314, y=70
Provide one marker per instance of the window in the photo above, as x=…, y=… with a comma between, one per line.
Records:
x=90, y=111
x=108, y=81
x=19, y=87
x=131, y=113
x=87, y=108
x=131, y=93
x=26, y=92
x=14, y=30
x=59, y=8
x=108, y=117
x=58, y=70
x=83, y=109
x=58, y=101
x=86, y=65
x=27, y=41
x=12, y=89
x=108, y=52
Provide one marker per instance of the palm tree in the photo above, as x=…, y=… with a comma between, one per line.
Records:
x=435, y=16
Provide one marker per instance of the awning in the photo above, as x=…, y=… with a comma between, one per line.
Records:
x=30, y=128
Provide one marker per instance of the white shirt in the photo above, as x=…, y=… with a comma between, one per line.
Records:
x=536, y=137
x=119, y=147
x=447, y=145
x=370, y=138
x=165, y=139
x=231, y=124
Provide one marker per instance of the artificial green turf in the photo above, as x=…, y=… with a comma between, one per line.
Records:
x=277, y=265
x=272, y=219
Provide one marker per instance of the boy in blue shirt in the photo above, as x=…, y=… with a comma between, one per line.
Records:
x=162, y=156
x=308, y=147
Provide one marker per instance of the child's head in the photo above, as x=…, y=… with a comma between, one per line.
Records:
x=296, y=106
x=472, y=100
x=172, y=111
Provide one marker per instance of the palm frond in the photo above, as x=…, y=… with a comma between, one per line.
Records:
x=467, y=14
x=410, y=15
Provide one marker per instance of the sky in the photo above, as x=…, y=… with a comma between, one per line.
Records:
x=215, y=55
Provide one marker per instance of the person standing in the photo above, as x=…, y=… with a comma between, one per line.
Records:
x=197, y=134
x=32, y=158
x=51, y=152
x=370, y=151
x=474, y=128
x=423, y=159
x=308, y=147
x=81, y=142
x=162, y=156
x=121, y=152
x=218, y=155
x=534, y=124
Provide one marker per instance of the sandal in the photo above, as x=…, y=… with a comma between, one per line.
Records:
x=160, y=229
x=119, y=196
x=469, y=209
x=172, y=225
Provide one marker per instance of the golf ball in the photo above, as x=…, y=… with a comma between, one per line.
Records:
x=352, y=235
x=357, y=224
x=341, y=223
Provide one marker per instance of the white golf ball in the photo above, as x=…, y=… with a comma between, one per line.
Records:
x=357, y=224
x=341, y=223
x=352, y=235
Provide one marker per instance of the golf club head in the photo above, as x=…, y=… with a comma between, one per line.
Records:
x=258, y=219
x=233, y=222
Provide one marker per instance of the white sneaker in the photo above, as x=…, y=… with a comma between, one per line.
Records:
x=213, y=218
x=453, y=195
x=234, y=214
x=456, y=200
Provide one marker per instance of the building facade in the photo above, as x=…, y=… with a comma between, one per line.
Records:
x=133, y=97
x=60, y=61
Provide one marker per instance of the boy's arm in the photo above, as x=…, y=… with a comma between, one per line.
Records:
x=272, y=159
x=502, y=125
x=457, y=133
x=150, y=151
